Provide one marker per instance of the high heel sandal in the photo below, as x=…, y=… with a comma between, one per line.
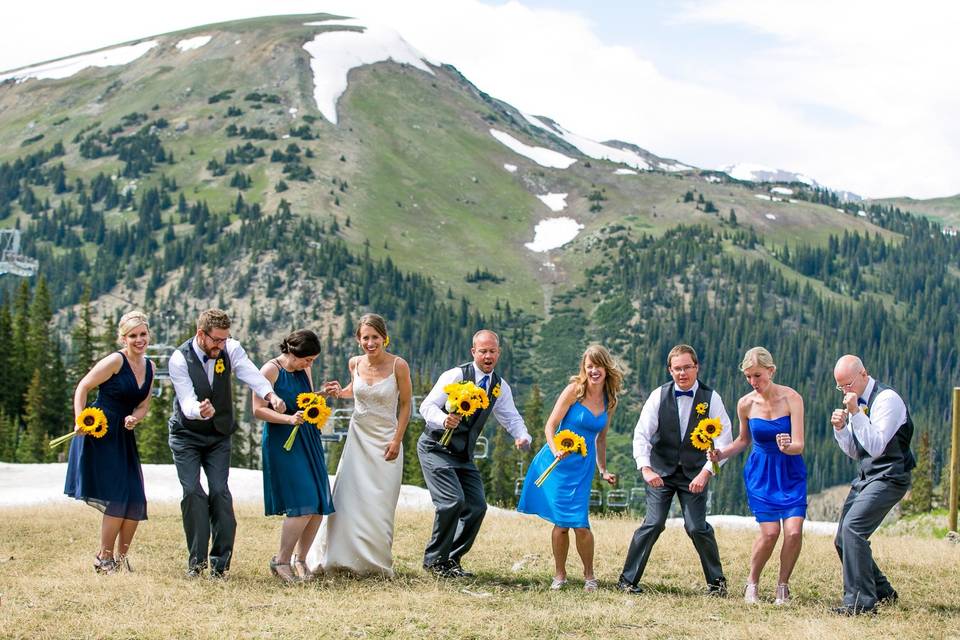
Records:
x=301, y=569
x=282, y=570
x=750, y=593
x=123, y=564
x=105, y=566
x=783, y=594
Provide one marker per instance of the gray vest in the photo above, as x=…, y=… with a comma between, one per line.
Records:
x=896, y=459
x=466, y=433
x=668, y=452
x=219, y=394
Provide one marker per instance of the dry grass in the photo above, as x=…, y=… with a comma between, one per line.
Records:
x=50, y=591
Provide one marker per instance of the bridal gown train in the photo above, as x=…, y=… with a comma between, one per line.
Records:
x=359, y=536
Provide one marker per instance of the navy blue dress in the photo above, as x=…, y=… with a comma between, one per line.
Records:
x=105, y=472
x=776, y=482
x=564, y=498
x=295, y=482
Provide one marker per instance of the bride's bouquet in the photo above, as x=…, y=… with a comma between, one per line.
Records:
x=315, y=411
x=463, y=398
x=92, y=421
x=704, y=434
x=565, y=441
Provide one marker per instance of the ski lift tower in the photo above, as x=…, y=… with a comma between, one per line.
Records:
x=11, y=261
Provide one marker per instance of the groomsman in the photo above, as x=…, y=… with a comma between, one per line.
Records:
x=875, y=429
x=671, y=465
x=455, y=485
x=200, y=430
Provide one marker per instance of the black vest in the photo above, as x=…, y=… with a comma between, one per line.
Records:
x=465, y=434
x=896, y=459
x=220, y=395
x=668, y=452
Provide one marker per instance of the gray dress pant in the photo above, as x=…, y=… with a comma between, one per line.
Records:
x=866, y=505
x=456, y=489
x=204, y=514
x=694, y=507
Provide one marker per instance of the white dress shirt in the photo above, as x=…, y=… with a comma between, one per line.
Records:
x=649, y=422
x=875, y=431
x=241, y=365
x=504, y=409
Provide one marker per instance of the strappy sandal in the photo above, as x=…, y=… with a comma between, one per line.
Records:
x=282, y=570
x=557, y=584
x=301, y=569
x=104, y=566
x=591, y=585
x=123, y=564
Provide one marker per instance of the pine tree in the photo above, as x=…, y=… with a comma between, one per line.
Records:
x=85, y=341
x=503, y=469
x=8, y=437
x=412, y=473
x=920, y=499
x=152, y=430
x=32, y=443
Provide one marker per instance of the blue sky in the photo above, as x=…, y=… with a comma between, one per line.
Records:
x=856, y=94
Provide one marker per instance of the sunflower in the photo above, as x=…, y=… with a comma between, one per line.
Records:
x=100, y=430
x=566, y=441
x=317, y=413
x=219, y=367
x=702, y=408
x=700, y=441
x=304, y=400
x=496, y=391
x=90, y=420
x=710, y=428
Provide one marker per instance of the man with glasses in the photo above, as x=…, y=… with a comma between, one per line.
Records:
x=671, y=465
x=875, y=429
x=200, y=430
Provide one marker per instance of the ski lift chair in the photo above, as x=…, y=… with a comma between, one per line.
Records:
x=481, y=450
x=617, y=499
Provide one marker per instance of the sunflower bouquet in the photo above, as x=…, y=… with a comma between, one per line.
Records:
x=315, y=411
x=91, y=421
x=704, y=434
x=565, y=441
x=465, y=399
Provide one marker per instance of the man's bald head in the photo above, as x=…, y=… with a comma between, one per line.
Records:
x=485, y=335
x=850, y=374
x=486, y=350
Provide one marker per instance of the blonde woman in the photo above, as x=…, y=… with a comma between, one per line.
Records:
x=105, y=472
x=585, y=407
x=771, y=416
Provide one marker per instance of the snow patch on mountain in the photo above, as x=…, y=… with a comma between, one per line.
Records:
x=624, y=172
x=552, y=233
x=193, y=43
x=592, y=148
x=542, y=156
x=59, y=69
x=334, y=53
x=556, y=201
x=512, y=168
x=759, y=173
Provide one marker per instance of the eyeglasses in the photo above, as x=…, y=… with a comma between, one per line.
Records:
x=847, y=385
x=684, y=369
x=215, y=340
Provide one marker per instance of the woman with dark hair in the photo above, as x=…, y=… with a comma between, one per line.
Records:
x=359, y=537
x=586, y=408
x=295, y=482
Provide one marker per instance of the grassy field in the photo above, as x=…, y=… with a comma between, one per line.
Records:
x=49, y=589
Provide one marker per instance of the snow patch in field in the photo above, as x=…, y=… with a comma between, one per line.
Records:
x=782, y=191
x=542, y=156
x=556, y=201
x=193, y=43
x=512, y=168
x=624, y=172
x=592, y=148
x=334, y=53
x=762, y=196
x=553, y=233
x=713, y=179
x=65, y=68
x=862, y=213
x=770, y=216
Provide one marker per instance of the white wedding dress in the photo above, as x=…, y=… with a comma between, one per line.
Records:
x=358, y=537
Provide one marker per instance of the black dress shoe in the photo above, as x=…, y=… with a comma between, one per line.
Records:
x=853, y=611
x=440, y=569
x=888, y=598
x=195, y=571
x=718, y=588
x=457, y=571
x=218, y=573
x=626, y=587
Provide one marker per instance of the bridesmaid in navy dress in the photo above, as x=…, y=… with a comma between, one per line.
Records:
x=776, y=479
x=585, y=407
x=105, y=472
x=295, y=482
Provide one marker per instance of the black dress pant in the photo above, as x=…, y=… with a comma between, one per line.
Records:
x=205, y=515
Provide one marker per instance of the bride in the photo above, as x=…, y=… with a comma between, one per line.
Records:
x=359, y=536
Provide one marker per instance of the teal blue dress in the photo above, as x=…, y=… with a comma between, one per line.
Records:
x=564, y=498
x=295, y=482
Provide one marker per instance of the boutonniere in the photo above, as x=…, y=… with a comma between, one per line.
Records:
x=219, y=367
x=866, y=410
x=496, y=391
x=701, y=408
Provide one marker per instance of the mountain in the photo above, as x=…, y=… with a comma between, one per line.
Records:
x=759, y=173
x=301, y=170
x=946, y=211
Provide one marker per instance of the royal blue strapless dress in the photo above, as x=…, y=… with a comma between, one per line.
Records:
x=105, y=472
x=295, y=482
x=776, y=483
x=564, y=498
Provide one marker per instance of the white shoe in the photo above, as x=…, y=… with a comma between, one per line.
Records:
x=591, y=585
x=557, y=584
x=750, y=593
x=783, y=594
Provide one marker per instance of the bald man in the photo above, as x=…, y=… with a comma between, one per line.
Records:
x=874, y=428
x=451, y=476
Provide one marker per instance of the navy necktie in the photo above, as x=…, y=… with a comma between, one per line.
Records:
x=484, y=381
x=206, y=358
x=677, y=393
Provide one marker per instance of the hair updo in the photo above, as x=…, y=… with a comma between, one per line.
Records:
x=302, y=343
x=128, y=322
x=376, y=322
x=757, y=357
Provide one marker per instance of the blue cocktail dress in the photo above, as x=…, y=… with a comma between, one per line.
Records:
x=776, y=482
